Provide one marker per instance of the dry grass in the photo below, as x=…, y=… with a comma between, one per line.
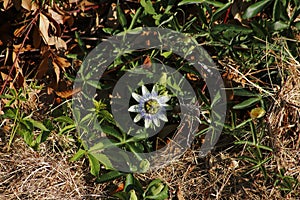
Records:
x=28, y=174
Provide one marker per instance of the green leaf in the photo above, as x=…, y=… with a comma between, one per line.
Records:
x=265, y=147
x=67, y=129
x=135, y=18
x=26, y=125
x=255, y=8
x=94, y=84
x=112, y=132
x=243, y=93
x=36, y=124
x=6, y=96
x=64, y=119
x=214, y=3
x=129, y=181
x=243, y=123
x=297, y=25
x=26, y=134
x=259, y=30
x=102, y=158
x=42, y=137
x=147, y=5
x=109, y=176
x=156, y=190
x=78, y=155
x=229, y=31
x=246, y=103
x=10, y=113
x=276, y=10
x=132, y=195
x=103, y=144
x=121, y=16
x=94, y=164
x=166, y=54
x=279, y=26
x=80, y=42
x=121, y=195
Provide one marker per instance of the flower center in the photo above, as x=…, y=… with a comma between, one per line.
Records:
x=151, y=106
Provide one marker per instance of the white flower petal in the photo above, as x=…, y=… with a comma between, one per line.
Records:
x=137, y=97
x=164, y=99
x=134, y=108
x=137, y=118
x=147, y=123
x=163, y=117
x=145, y=91
x=156, y=122
x=154, y=91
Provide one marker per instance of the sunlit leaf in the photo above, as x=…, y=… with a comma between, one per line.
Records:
x=36, y=124
x=78, y=155
x=257, y=113
x=147, y=4
x=94, y=164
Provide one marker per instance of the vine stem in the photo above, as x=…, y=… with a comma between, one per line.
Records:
x=33, y=21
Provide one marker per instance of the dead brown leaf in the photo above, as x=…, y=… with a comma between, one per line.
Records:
x=19, y=32
x=5, y=76
x=69, y=19
x=62, y=62
x=56, y=70
x=29, y=5
x=68, y=93
x=43, y=67
x=36, y=37
x=44, y=27
x=58, y=42
x=55, y=16
x=7, y=4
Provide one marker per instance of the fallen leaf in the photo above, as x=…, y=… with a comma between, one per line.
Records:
x=58, y=42
x=5, y=76
x=56, y=29
x=57, y=17
x=44, y=27
x=20, y=81
x=69, y=19
x=120, y=188
x=19, y=32
x=17, y=66
x=147, y=62
x=29, y=5
x=43, y=68
x=7, y=4
x=36, y=37
x=62, y=62
x=68, y=93
x=56, y=70
x=50, y=90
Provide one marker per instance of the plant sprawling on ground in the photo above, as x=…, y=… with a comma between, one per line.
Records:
x=255, y=44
